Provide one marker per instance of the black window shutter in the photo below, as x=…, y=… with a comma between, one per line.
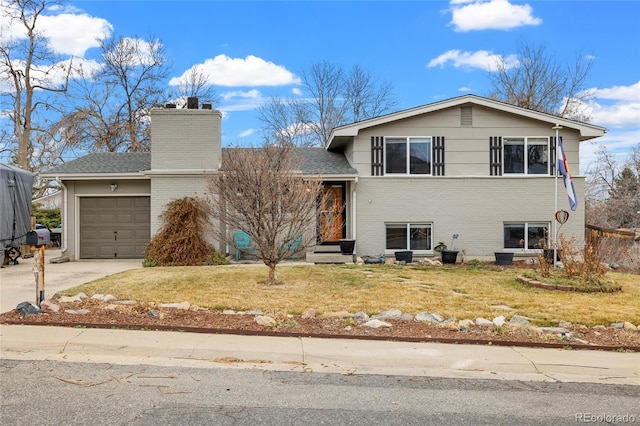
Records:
x=495, y=155
x=377, y=156
x=437, y=148
x=553, y=156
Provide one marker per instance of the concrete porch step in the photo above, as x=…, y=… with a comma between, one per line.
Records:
x=334, y=257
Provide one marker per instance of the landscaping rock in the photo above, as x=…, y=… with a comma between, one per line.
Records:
x=111, y=307
x=483, y=322
x=519, y=320
x=554, y=330
x=390, y=314
x=429, y=317
x=27, y=309
x=69, y=299
x=360, y=316
x=125, y=302
x=564, y=324
x=254, y=312
x=182, y=305
x=265, y=321
x=626, y=326
x=49, y=307
x=498, y=321
x=104, y=297
x=229, y=312
x=376, y=323
x=466, y=325
x=617, y=325
x=450, y=320
x=599, y=327
x=309, y=313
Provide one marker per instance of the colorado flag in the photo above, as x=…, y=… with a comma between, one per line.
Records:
x=563, y=168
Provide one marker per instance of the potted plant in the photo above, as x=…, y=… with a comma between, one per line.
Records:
x=450, y=256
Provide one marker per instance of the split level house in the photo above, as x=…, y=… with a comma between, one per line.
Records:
x=468, y=166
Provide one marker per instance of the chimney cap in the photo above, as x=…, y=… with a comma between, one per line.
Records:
x=192, y=102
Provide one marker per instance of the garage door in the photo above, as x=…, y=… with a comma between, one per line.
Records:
x=114, y=227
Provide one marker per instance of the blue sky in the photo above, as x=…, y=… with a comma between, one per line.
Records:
x=429, y=50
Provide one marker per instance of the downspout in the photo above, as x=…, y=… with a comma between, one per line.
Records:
x=354, y=206
x=63, y=237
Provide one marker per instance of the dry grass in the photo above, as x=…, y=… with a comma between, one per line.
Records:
x=448, y=291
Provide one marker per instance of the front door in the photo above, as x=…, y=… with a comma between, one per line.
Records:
x=331, y=221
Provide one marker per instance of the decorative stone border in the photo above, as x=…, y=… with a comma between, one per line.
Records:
x=546, y=286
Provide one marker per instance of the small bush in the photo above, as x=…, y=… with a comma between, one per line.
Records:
x=180, y=241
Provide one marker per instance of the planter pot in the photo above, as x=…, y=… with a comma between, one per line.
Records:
x=347, y=246
x=406, y=256
x=504, y=258
x=449, y=256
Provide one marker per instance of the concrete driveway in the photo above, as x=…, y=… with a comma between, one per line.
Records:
x=18, y=284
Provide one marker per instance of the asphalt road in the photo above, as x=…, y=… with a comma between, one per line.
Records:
x=56, y=393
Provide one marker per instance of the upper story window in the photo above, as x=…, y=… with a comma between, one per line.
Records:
x=407, y=156
x=526, y=155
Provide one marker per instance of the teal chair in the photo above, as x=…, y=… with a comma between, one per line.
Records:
x=242, y=241
x=293, y=246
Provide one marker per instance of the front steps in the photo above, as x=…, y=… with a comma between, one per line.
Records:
x=329, y=254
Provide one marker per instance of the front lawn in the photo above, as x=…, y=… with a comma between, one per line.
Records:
x=463, y=292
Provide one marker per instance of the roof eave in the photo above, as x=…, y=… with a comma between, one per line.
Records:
x=94, y=176
x=342, y=133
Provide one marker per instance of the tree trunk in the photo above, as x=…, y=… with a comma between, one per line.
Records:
x=272, y=275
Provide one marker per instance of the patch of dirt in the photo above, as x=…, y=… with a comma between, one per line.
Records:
x=151, y=317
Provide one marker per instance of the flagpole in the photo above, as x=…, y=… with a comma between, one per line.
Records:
x=557, y=128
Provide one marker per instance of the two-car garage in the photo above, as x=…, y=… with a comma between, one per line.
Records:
x=114, y=227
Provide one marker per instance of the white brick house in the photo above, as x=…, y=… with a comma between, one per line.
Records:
x=475, y=167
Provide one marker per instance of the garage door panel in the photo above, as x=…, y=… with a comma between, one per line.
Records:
x=114, y=227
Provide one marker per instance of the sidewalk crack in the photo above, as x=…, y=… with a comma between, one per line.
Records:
x=533, y=364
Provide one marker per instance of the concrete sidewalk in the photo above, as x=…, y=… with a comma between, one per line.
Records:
x=344, y=356
x=341, y=356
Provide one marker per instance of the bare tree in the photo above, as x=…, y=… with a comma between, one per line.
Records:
x=365, y=97
x=261, y=191
x=195, y=83
x=134, y=70
x=332, y=97
x=27, y=67
x=613, y=191
x=541, y=83
x=286, y=121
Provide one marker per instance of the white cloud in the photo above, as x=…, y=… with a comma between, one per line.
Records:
x=74, y=34
x=251, y=94
x=482, y=59
x=246, y=133
x=68, y=32
x=490, y=15
x=617, y=106
x=622, y=93
x=624, y=114
x=617, y=143
x=250, y=71
x=296, y=91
